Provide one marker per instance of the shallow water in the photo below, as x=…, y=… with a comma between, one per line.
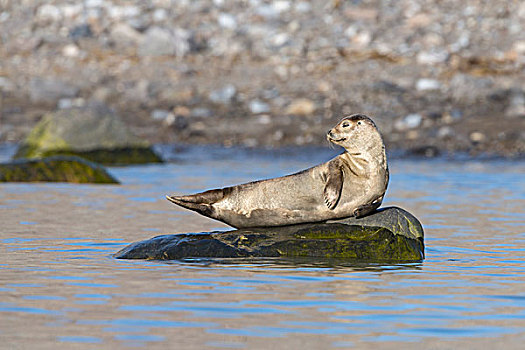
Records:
x=60, y=287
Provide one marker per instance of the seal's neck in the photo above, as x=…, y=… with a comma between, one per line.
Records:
x=366, y=160
x=355, y=162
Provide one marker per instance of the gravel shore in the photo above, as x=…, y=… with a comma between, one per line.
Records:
x=438, y=77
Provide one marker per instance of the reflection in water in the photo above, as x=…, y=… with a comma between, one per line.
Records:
x=57, y=275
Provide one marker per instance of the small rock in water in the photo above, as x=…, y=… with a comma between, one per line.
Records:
x=81, y=31
x=158, y=41
x=427, y=84
x=301, y=106
x=48, y=12
x=272, y=10
x=411, y=121
x=445, y=132
x=362, y=39
x=258, y=107
x=161, y=114
x=123, y=35
x=224, y=95
x=65, y=103
x=432, y=57
x=121, y=12
x=227, y=21
x=71, y=50
x=201, y=112
x=160, y=15
x=281, y=5
x=279, y=40
x=477, y=137
x=303, y=6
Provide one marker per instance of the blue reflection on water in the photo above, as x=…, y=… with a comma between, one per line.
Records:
x=139, y=337
x=79, y=339
x=28, y=310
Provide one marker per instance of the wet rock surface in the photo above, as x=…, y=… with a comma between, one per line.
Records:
x=55, y=169
x=389, y=234
x=95, y=134
x=273, y=73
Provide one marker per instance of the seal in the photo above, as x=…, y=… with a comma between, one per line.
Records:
x=351, y=184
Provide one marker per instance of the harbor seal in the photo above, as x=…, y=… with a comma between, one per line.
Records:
x=351, y=184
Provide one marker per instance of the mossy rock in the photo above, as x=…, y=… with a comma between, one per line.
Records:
x=390, y=234
x=55, y=169
x=92, y=133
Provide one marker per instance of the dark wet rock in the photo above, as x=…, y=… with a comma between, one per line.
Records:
x=180, y=122
x=389, y=234
x=424, y=151
x=92, y=133
x=55, y=169
x=81, y=31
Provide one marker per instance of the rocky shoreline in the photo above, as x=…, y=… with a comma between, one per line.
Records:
x=437, y=78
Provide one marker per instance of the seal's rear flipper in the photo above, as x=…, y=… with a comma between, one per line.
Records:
x=200, y=202
x=208, y=197
x=204, y=209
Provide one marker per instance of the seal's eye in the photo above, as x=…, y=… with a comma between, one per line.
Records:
x=346, y=125
x=358, y=123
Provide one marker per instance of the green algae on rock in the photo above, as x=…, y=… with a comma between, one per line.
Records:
x=55, y=169
x=96, y=134
x=389, y=234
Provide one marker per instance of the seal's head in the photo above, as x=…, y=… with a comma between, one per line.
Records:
x=355, y=133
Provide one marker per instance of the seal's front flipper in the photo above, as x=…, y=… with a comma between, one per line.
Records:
x=367, y=208
x=333, y=186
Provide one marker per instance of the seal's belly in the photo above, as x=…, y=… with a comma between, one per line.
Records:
x=300, y=192
x=288, y=200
